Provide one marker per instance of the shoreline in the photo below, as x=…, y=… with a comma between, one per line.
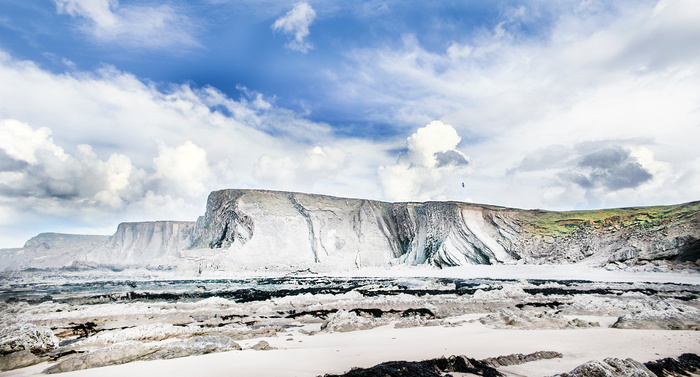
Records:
x=314, y=355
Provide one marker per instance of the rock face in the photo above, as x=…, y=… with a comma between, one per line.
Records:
x=301, y=228
x=144, y=242
x=304, y=229
x=153, y=244
x=269, y=229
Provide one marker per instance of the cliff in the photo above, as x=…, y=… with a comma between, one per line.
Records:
x=270, y=229
x=294, y=227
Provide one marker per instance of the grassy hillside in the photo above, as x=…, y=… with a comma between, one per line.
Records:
x=562, y=223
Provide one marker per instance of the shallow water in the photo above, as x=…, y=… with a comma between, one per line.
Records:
x=259, y=289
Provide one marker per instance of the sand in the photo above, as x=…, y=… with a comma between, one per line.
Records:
x=312, y=355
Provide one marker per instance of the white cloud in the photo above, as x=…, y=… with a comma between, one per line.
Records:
x=182, y=169
x=626, y=73
x=296, y=24
x=431, y=169
x=131, y=25
x=135, y=152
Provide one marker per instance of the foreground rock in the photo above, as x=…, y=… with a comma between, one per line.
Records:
x=344, y=321
x=120, y=353
x=661, y=315
x=130, y=351
x=506, y=318
x=686, y=363
x=20, y=344
x=198, y=345
x=610, y=367
x=262, y=345
x=17, y=360
x=27, y=337
x=425, y=368
x=613, y=367
x=519, y=358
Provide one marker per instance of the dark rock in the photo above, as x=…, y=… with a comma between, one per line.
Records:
x=426, y=368
x=420, y=312
x=687, y=362
x=519, y=358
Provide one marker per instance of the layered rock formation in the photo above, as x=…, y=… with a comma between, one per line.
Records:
x=269, y=229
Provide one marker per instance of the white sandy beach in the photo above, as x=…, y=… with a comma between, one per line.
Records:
x=314, y=355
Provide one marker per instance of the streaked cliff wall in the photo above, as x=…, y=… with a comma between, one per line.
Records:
x=271, y=229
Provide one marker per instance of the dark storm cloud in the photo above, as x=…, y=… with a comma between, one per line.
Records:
x=612, y=168
x=451, y=158
x=604, y=158
x=590, y=165
x=34, y=184
x=8, y=163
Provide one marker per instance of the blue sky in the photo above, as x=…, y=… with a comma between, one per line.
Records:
x=134, y=110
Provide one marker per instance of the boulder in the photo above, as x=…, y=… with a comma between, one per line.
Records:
x=519, y=358
x=344, y=321
x=120, y=353
x=198, y=345
x=610, y=367
x=262, y=346
x=507, y=318
x=27, y=337
x=19, y=359
x=661, y=315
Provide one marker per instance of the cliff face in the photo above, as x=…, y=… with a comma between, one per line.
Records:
x=300, y=228
x=268, y=229
x=142, y=242
x=146, y=244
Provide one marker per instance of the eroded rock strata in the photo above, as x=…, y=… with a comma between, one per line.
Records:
x=282, y=230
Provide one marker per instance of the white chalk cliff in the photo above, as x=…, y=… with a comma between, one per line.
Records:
x=282, y=230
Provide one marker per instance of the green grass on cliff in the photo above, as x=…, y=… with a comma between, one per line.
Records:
x=562, y=223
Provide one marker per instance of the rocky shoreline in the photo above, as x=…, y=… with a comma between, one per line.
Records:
x=171, y=319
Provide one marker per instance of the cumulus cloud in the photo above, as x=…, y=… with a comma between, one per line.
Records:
x=45, y=176
x=431, y=168
x=182, y=169
x=296, y=24
x=130, y=25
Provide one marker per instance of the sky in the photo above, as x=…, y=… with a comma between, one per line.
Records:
x=125, y=110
